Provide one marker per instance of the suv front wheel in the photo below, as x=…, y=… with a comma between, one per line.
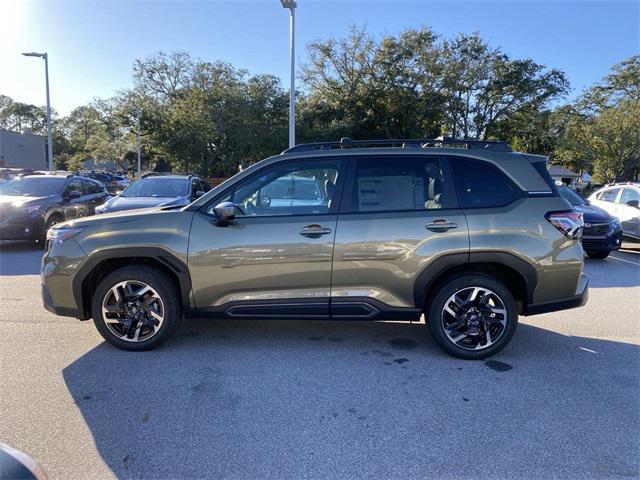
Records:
x=136, y=308
x=472, y=316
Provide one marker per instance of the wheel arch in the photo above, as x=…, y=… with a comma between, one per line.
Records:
x=54, y=212
x=518, y=275
x=105, y=262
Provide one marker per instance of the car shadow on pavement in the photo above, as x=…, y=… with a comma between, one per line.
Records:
x=20, y=258
x=256, y=399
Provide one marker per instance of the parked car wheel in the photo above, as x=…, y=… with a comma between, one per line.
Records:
x=51, y=222
x=472, y=316
x=598, y=254
x=136, y=308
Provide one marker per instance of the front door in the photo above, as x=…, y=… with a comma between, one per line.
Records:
x=274, y=258
x=399, y=215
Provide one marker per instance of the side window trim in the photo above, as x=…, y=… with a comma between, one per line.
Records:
x=337, y=195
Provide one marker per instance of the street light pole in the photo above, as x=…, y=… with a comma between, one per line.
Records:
x=46, y=74
x=291, y=6
x=138, y=143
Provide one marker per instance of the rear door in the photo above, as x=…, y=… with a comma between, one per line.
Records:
x=398, y=215
x=74, y=199
x=95, y=195
x=274, y=258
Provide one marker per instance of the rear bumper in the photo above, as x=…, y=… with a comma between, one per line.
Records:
x=578, y=300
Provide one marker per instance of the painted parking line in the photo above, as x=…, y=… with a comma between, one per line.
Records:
x=624, y=260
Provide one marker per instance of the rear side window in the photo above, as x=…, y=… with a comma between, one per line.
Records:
x=609, y=195
x=400, y=184
x=481, y=185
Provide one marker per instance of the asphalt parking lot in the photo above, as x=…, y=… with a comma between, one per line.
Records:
x=283, y=399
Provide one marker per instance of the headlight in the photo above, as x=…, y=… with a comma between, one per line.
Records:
x=59, y=235
x=33, y=209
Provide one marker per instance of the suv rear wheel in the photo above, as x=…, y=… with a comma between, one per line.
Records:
x=136, y=308
x=472, y=316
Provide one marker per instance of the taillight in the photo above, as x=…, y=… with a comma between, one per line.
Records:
x=569, y=222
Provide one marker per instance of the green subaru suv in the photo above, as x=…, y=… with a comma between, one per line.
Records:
x=467, y=233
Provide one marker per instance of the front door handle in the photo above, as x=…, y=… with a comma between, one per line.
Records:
x=314, y=231
x=441, y=225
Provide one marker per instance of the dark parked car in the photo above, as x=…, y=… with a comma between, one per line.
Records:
x=157, y=191
x=30, y=205
x=602, y=232
x=114, y=184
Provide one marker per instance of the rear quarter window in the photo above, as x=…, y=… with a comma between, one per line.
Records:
x=481, y=185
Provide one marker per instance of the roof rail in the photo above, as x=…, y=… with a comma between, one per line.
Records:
x=346, y=142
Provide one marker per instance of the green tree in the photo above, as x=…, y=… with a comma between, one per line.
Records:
x=483, y=87
x=603, y=133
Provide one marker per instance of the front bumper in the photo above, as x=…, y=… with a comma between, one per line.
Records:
x=578, y=300
x=22, y=227
x=610, y=240
x=59, y=267
x=48, y=304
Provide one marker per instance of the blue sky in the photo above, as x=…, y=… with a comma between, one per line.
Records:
x=92, y=44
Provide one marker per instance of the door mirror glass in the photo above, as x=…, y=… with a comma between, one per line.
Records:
x=198, y=194
x=225, y=211
x=70, y=195
x=633, y=203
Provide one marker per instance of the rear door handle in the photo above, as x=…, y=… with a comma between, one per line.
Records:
x=314, y=231
x=440, y=225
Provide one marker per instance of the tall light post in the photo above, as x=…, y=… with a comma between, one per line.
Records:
x=291, y=5
x=138, y=143
x=46, y=75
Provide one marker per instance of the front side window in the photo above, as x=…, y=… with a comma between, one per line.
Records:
x=628, y=195
x=482, y=185
x=295, y=189
x=75, y=186
x=609, y=195
x=399, y=184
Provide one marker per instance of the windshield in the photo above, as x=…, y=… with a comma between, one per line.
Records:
x=157, y=187
x=572, y=197
x=33, y=186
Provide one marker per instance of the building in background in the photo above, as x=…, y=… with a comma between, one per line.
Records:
x=564, y=175
x=23, y=150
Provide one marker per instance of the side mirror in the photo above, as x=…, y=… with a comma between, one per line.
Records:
x=225, y=211
x=72, y=194
x=198, y=194
x=633, y=203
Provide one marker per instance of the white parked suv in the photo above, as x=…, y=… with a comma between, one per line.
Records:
x=621, y=200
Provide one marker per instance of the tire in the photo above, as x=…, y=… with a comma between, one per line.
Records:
x=598, y=253
x=493, y=308
x=131, y=325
